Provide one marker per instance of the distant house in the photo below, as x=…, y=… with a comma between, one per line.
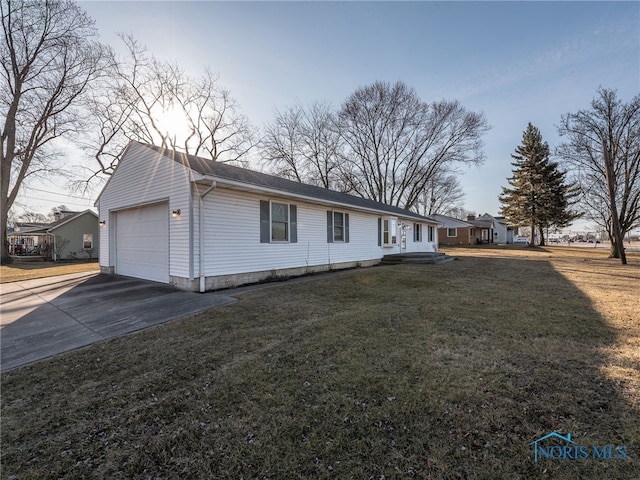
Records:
x=452, y=231
x=203, y=225
x=502, y=233
x=70, y=235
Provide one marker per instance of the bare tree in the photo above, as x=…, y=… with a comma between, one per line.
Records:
x=461, y=213
x=442, y=195
x=603, y=148
x=153, y=101
x=48, y=58
x=55, y=210
x=59, y=246
x=302, y=144
x=396, y=143
x=32, y=217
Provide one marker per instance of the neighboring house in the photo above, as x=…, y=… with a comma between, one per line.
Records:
x=204, y=225
x=71, y=235
x=483, y=228
x=452, y=231
x=502, y=232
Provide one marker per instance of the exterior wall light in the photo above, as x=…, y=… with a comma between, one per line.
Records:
x=175, y=213
x=102, y=223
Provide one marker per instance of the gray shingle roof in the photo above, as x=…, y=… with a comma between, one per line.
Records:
x=251, y=177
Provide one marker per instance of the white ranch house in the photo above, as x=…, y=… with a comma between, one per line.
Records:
x=201, y=225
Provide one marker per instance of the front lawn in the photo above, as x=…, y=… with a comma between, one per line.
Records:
x=410, y=371
x=21, y=271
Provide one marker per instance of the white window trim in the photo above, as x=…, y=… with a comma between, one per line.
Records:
x=392, y=222
x=454, y=229
x=83, y=241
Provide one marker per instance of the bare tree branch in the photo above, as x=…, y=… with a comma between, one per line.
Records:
x=603, y=150
x=48, y=59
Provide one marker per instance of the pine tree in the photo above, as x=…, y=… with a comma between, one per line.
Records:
x=537, y=195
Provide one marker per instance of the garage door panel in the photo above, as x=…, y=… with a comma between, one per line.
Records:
x=142, y=243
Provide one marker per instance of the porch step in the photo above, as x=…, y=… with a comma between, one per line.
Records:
x=422, y=257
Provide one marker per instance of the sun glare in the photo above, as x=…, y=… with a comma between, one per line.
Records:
x=172, y=122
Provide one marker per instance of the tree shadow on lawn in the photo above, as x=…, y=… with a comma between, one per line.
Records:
x=543, y=373
x=412, y=371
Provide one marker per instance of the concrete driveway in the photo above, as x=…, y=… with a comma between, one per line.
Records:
x=44, y=317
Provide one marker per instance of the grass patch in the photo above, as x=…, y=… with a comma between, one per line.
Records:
x=21, y=271
x=409, y=371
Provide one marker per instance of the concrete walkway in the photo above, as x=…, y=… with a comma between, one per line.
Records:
x=44, y=317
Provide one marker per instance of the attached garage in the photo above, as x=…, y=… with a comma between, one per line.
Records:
x=201, y=225
x=142, y=242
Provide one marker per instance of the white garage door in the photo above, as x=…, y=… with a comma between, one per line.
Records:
x=142, y=242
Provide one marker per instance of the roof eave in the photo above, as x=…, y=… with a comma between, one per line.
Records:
x=236, y=185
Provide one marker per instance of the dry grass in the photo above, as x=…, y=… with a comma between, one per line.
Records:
x=17, y=272
x=395, y=372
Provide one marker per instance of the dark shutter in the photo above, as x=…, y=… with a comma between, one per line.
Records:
x=264, y=222
x=346, y=227
x=293, y=223
x=379, y=232
x=329, y=226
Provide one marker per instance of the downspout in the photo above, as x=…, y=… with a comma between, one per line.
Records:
x=201, y=232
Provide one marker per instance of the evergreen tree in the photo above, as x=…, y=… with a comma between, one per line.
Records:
x=557, y=200
x=537, y=195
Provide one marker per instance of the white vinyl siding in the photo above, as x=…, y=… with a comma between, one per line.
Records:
x=417, y=241
x=146, y=177
x=232, y=242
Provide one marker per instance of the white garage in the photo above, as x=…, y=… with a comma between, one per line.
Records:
x=142, y=242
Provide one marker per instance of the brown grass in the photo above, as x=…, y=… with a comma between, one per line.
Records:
x=17, y=272
x=411, y=371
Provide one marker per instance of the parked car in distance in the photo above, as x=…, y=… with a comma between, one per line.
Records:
x=521, y=240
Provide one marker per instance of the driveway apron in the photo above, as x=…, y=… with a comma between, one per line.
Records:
x=44, y=317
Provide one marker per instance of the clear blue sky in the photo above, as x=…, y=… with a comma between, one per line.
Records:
x=518, y=62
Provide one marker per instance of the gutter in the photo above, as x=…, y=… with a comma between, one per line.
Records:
x=201, y=275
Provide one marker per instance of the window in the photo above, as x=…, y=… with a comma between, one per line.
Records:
x=337, y=227
x=389, y=231
x=430, y=232
x=278, y=222
x=452, y=232
x=417, y=232
x=87, y=241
